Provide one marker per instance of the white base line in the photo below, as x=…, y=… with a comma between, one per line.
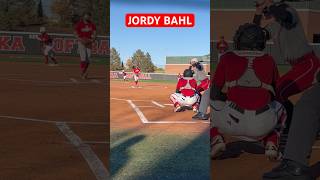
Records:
x=144, y=120
x=177, y=122
x=95, y=164
x=157, y=104
x=74, y=80
x=96, y=81
x=316, y=147
x=53, y=122
x=95, y=142
x=145, y=106
x=140, y=114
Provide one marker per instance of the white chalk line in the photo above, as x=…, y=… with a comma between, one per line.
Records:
x=95, y=81
x=74, y=80
x=95, y=164
x=144, y=120
x=53, y=122
x=145, y=106
x=96, y=142
x=140, y=114
x=157, y=104
x=71, y=81
x=178, y=122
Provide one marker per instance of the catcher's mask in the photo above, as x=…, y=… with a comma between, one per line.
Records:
x=250, y=37
x=188, y=73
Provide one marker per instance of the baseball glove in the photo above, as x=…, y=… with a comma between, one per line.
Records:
x=87, y=42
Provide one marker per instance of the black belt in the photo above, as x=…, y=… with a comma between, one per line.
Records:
x=241, y=110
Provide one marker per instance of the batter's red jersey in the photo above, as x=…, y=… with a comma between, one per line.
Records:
x=45, y=38
x=183, y=87
x=231, y=67
x=136, y=71
x=222, y=46
x=85, y=29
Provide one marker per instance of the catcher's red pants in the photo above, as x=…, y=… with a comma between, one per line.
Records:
x=300, y=77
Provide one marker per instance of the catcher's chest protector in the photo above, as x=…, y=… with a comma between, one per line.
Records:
x=249, y=78
x=188, y=85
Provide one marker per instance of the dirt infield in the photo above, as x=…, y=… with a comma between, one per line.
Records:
x=53, y=124
x=149, y=140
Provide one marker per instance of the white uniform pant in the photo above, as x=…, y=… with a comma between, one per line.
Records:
x=85, y=53
x=248, y=125
x=136, y=77
x=184, y=100
x=48, y=50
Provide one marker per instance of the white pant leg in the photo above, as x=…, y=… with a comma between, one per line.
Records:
x=247, y=125
x=85, y=53
x=184, y=101
x=47, y=49
x=190, y=101
x=136, y=77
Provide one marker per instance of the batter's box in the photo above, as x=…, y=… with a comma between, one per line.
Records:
x=156, y=113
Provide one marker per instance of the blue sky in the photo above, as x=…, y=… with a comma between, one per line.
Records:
x=160, y=42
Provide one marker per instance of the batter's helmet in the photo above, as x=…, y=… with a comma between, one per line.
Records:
x=283, y=14
x=188, y=73
x=250, y=37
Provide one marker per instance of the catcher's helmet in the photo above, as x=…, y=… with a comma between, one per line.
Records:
x=188, y=73
x=250, y=37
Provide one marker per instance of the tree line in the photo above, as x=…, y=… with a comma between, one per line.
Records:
x=22, y=13
x=139, y=58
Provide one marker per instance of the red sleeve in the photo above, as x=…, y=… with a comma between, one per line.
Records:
x=193, y=83
x=94, y=27
x=219, y=76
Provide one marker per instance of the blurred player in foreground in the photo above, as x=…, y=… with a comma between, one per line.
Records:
x=186, y=96
x=248, y=110
x=47, y=46
x=85, y=32
x=136, y=72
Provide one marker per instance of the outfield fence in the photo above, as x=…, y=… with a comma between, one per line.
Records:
x=64, y=44
x=270, y=49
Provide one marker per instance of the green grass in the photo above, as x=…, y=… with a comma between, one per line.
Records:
x=144, y=156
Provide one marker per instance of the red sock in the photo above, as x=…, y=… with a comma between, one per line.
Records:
x=82, y=66
x=214, y=132
x=46, y=59
x=272, y=137
x=54, y=60
x=136, y=83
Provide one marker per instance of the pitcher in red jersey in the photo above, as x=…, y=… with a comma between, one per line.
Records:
x=85, y=31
